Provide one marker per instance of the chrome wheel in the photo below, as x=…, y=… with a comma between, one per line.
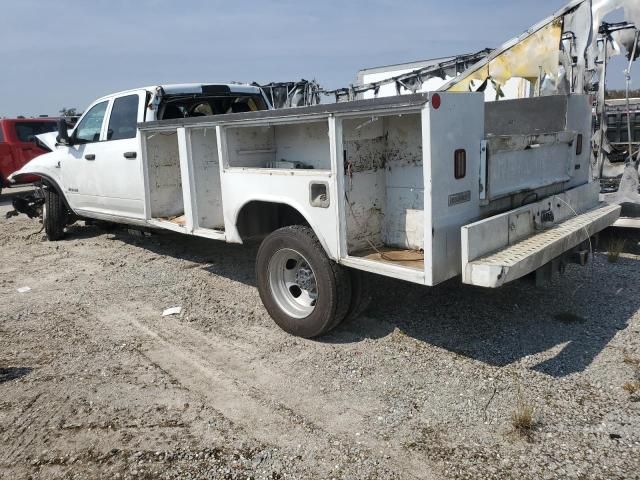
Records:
x=293, y=283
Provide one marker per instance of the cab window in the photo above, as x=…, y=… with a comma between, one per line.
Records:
x=88, y=130
x=124, y=118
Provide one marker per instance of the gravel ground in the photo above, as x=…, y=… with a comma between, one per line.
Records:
x=95, y=383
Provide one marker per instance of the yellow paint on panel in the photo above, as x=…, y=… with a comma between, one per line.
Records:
x=523, y=60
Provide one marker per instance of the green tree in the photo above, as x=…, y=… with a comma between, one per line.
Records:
x=69, y=112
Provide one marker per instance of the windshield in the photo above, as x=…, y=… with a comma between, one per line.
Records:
x=198, y=105
x=26, y=131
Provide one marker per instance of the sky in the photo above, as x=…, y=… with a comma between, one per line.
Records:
x=66, y=53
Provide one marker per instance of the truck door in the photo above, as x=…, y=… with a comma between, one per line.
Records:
x=102, y=173
x=81, y=182
x=119, y=165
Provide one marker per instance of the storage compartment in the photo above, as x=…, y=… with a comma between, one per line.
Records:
x=302, y=145
x=206, y=173
x=384, y=188
x=165, y=185
x=535, y=144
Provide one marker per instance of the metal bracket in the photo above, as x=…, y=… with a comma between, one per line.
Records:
x=483, y=170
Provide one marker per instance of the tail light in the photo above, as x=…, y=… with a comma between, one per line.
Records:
x=460, y=163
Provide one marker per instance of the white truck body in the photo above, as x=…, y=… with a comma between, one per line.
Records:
x=421, y=187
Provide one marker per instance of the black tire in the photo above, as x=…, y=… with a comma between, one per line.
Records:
x=360, y=295
x=332, y=282
x=55, y=215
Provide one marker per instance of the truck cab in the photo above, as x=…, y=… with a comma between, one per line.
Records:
x=18, y=144
x=95, y=168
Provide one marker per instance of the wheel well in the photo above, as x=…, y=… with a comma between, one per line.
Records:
x=258, y=218
x=49, y=183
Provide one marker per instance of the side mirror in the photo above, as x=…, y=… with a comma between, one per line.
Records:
x=63, y=132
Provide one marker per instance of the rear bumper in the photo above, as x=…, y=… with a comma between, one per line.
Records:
x=532, y=253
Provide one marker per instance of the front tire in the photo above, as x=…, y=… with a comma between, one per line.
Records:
x=305, y=292
x=55, y=215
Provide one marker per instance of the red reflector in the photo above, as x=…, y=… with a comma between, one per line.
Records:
x=460, y=164
x=436, y=101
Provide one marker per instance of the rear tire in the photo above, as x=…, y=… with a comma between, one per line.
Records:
x=360, y=295
x=305, y=292
x=55, y=215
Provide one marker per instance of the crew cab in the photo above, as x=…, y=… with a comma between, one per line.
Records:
x=96, y=168
x=18, y=145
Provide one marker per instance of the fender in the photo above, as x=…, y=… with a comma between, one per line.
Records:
x=46, y=167
x=233, y=235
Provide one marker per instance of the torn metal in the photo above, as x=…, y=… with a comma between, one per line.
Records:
x=303, y=93
x=412, y=82
x=567, y=53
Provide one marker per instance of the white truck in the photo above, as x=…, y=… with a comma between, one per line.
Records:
x=421, y=188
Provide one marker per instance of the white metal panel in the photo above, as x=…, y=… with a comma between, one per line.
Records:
x=239, y=187
x=206, y=178
x=524, y=163
x=163, y=165
x=337, y=186
x=450, y=202
x=186, y=176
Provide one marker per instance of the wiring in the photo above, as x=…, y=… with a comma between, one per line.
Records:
x=585, y=228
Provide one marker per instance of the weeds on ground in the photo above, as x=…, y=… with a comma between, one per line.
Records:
x=615, y=248
x=629, y=360
x=632, y=387
x=522, y=419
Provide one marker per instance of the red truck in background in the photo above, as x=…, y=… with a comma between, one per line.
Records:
x=18, y=144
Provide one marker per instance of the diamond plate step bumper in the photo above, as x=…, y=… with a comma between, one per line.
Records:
x=529, y=254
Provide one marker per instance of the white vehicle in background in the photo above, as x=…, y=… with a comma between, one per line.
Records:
x=420, y=188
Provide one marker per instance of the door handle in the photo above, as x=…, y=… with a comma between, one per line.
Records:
x=90, y=156
x=130, y=154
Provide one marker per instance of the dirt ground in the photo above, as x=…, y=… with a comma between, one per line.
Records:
x=95, y=383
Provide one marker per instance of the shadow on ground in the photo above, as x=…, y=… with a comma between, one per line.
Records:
x=578, y=314
x=13, y=373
